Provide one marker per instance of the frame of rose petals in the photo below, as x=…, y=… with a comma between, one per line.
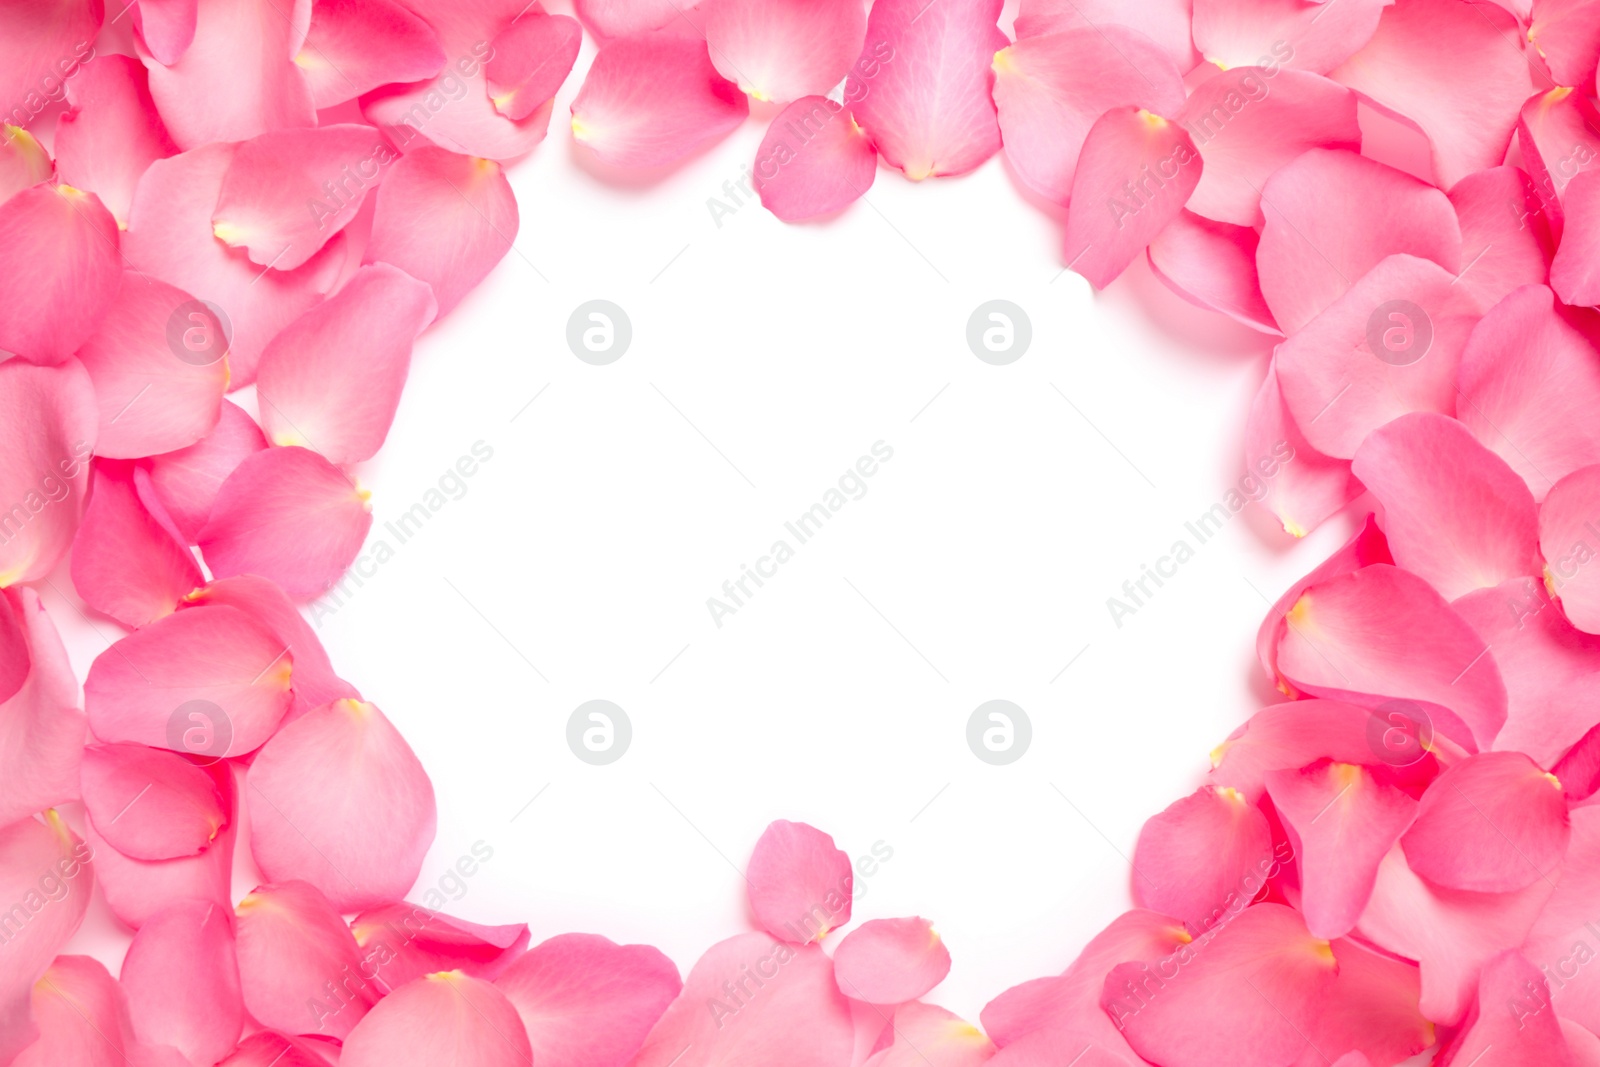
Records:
x=1397, y=860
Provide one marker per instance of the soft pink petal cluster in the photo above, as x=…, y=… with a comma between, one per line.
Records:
x=286, y=193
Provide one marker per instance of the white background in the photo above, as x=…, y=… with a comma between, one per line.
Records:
x=765, y=360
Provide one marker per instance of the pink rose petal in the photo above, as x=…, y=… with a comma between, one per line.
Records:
x=1299, y=33
x=1567, y=522
x=623, y=18
x=150, y=804
x=444, y=1018
x=23, y=162
x=922, y=1034
x=137, y=891
x=1166, y=22
x=1213, y=265
x=890, y=961
x=1566, y=35
x=83, y=1020
x=166, y=27
x=112, y=134
x=531, y=60
x=1303, y=486
x=187, y=480
x=799, y=883
x=292, y=946
x=59, y=270
x=813, y=161
x=182, y=978
x=1203, y=859
x=355, y=46
x=1505, y=241
x=41, y=726
x=1559, y=132
x=1512, y=1019
x=44, y=44
x=47, y=431
x=784, y=49
x=267, y=1049
x=402, y=941
x=1573, y=273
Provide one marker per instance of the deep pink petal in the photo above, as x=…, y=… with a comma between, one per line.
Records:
x=1382, y=632
x=150, y=804
x=287, y=192
x=238, y=78
x=47, y=431
x=799, y=883
x=155, y=393
x=1389, y=346
x=444, y=219
x=268, y=1049
x=1246, y=122
x=187, y=480
x=1412, y=69
x=59, y=270
x=209, y=685
x=112, y=134
x=1573, y=272
x=1559, y=132
x=789, y=1013
x=138, y=890
x=23, y=162
x=1342, y=821
x=292, y=944
x=587, y=1002
x=1310, y=256
x=1165, y=22
x=44, y=871
x=402, y=941
x=1373, y=1008
x=182, y=978
x=623, y=18
x=1513, y=1017
x=1453, y=511
x=44, y=44
x=921, y=88
x=170, y=238
x=1302, y=486
x=784, y=49
x=1256, y=983
x=41, y=726
x=166, y=27
x=531, y=60
x=1566, y=34
x=1213, y=265
x=1203, y=859
x=339, y=800
x=649, y=101
x=1505, y=241
x=1298, y=33
x=287, y=515
x=1578, y=769
x=1563, y=940
x=447, y=1017
x=1566, y=536
x=83, y=1020
x=1528, y=377
x=890, y=961
x=1134, y=175
x=354, y=46
x=15, y=659
x=1049, y=90
x=928, y=1036
x=813, y=161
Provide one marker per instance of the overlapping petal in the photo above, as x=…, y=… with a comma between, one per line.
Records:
x=300, y=970
x=127, y=563
x=890, y=961
x=112, y=134
x=150, y=804
x=784, y=49
x=355, y=46
x=813, y=161
x=182, y=979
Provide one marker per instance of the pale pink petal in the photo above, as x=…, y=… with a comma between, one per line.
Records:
x=1551, y=668
x=1453, y=511
x=1559, y=132
x=1246, y=122
x=531, y=60
x=59, y=270
x=41, y=726
x=1373, y=1008
x=170, y=238
x=1049, y=90
x=587, y=1002
x=267, y=1049
x=1451, y=933
x=1564, y=940
x=292, y=945
x=921, y=88
x=150, y=804
x=624, y=18
x=166, y=27
x=1566, y=34
x=289, y=516
x=1382, y=632
x=1311, y=255
x=287, y=192
x=44, y=872
x=331, y=381
x=1244, y=997
x=1203, y=859
x=1493, y=823
x=784, y=49
x=82, y=1016
x=406, y=941
x=238, y=78
x=1573, y=272
x=182, y=978
x=23, y=161
x=207, y=684
x=1302, y=486
x=1513, y=1019
x=187, y=480
x=444, y=1018
x=813, y=161
x=1412, y=69
x=890, y=961
x=1341, y=821
x=112, y=134
x=1389, y=346
x=338, y=799
x=929, y=1036
x=1166, y=22
x=454, y=109
x=799, y=883
x=1133, y=178
x=355, y=46
x=155, y=392
x=1505, y=240
x=1286, y=737
x=649, y=101
x=444, y=219
x=138, y=890
x=1566, y=536
x=1213, y=265
x=1296, y=33
x=789, y=1012
x=47, y=432
x=44, y=45
x=1528, y=378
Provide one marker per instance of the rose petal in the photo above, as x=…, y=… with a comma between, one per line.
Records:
x=799, y=883
x=300, y=970
x=47, y=431
x=930, y=1036
x=813, y=161
x=1287, y=737
x=1213, y=265
x=43, y=45
x=1566, y=528
x=1527, y=1032
x=890, y=961
x=1505, y=241
x=402, y=942
x=1203, y=858
x=267, y=1049
x=1165, y=22
x=443, y=1018
x=355, y=46
x=784, y=49
x=82, y=1016
x=112, y=134
x=1373, y=1008
x=41, y=728
x=1572, y=272
x=1566, y=34
x=1559, y=132
x=23, y=162
x=150, y=804
x=59, y=270
x=531, y=60
x=166, y=27
x=1307, y=36
x=623, y=18
x=1563, y=939
x=1303, y=487
x=138, y=890
x=182, y=978
x=187, y=480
